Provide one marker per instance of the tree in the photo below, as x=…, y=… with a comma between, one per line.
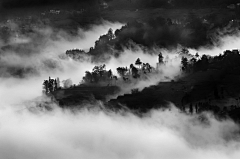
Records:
x=134, y=71
x=117, y=32
x=95, y=77
x=191, y=108
x=88, y=77
x=148, y=67
x=99, y=70
x=110, y=34
x=197, y=55
x=193, y=61
x=51, y=85
x=75, y=53
x=110, y=75
x=160, y=58
x=138, y=62
x=99, y=73
x=121, y=71
x=55, y=85
x=45, y=87
x=184, y=63
x=205, y=59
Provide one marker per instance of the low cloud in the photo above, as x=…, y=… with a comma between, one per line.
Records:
x=99, y=134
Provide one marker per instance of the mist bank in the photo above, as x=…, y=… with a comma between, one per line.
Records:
x=102, y=134
x=33, y=53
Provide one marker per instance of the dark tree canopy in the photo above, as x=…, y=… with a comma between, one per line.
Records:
x=138, y=62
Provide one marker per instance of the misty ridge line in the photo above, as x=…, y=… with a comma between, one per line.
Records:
x=59, y=36
x=52, y=63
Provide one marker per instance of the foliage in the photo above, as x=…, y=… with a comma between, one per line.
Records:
x=98, y=74
x=50, y=85
x=76, y=53
x=138, y=62
x=160, y=58
x=122, y=71
x=229, y=62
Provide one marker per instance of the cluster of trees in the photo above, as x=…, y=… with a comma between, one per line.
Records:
x=76, y=53
x=194, y=63
x=103, y=43
x=126, y=72
x=159, y=31
x=191, y=31
x=98, y=74
x=105, y=38
x=51, y=85
x=229, y=61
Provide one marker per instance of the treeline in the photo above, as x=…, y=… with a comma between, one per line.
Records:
x=159, y=31
x=192, y=32
x=100, y=74
x=228, y=62
x=51, y=85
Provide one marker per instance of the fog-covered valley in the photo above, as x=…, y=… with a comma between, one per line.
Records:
x=180, y=100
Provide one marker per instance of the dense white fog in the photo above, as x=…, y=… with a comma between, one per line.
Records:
x=98, y=133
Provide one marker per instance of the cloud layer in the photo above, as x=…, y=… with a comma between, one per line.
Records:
x=99, y=134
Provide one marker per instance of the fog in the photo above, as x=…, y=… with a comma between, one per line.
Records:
x=98, y=133
x=221, y=42
x=44, y=61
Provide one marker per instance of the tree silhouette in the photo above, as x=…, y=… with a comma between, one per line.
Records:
x=160, y=58
x=134, y=71
x=51, y=85
x=110, y=34
x=197, y=55
x=148, y=67
x=45, y=87
x=55, y=85
x=122, y=71
x=184, y=63
x=193, y=61
x=88, y=77
x=99, y=73
x=138, y=62
x=110, y=75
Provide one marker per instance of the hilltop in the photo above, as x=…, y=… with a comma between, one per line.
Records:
x=209, y=83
